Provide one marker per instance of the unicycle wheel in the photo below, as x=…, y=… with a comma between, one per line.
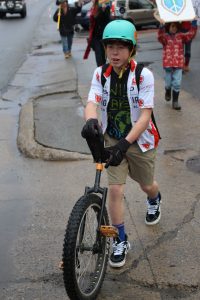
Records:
x=85, y=251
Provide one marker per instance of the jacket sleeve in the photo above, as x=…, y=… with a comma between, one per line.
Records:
x=76, y=10
x=96, y=89
x=55, y=17
x=146, y=92
x=162, y=35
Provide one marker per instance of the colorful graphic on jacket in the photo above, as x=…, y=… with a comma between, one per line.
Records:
x=174, y=6
x=119, y=119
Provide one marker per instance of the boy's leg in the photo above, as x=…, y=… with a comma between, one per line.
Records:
x=176, y=86
x=168, y=79
x=120, y=245
x=70, y=40
x=64, y=44
x=141, y=169
x=153, y=214
x=116, y=203
x=116, y=180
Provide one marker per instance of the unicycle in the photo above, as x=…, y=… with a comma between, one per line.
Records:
x=87, y=237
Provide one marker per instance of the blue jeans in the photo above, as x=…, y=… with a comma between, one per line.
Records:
x=67, y=42
x=173, y=78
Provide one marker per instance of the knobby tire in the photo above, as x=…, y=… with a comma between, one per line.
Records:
x=84, y=260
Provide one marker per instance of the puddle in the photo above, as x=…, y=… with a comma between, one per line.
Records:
x=43, y=53
x=193, y=164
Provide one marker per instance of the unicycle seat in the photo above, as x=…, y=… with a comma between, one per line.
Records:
x=96, y=146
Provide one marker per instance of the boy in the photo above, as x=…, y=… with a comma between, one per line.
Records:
x=127, y=127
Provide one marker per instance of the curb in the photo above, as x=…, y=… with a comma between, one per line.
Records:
x=30, y=148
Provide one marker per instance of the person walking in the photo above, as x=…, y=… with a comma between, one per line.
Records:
x=129, y=132
x=99, y=18
x=185, y=27
x=65, y=17
x=172, y=39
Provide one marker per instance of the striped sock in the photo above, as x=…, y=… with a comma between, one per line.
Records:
x=121, y=231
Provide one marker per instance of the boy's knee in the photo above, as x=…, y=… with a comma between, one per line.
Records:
x=146, y=188
x=116, y=189
x=149, y=188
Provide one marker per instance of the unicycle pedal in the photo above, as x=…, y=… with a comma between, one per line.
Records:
x=109, y=231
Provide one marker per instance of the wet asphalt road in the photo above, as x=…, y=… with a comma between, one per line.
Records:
x=25, y=182
x=16, y=36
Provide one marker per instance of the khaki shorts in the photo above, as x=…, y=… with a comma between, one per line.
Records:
x=137, y=164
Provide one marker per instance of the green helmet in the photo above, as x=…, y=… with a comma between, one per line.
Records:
x=121, y=30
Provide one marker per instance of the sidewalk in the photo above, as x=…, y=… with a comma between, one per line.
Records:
x=55, y=100
x=164, y=260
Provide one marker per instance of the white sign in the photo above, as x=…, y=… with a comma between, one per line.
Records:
x=175, y=10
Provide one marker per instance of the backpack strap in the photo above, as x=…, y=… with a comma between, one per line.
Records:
x=138, y=72
x=104, y=68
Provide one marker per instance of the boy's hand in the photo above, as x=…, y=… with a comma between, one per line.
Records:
x=91, y=129
x=117, y=153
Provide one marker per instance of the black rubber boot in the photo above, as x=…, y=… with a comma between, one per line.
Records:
x=175, y=104
x=167, y=94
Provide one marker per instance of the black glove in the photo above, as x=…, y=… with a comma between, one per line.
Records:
x=91, y=129
x=117, y=153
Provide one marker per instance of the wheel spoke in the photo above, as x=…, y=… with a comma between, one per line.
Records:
x=85, y=257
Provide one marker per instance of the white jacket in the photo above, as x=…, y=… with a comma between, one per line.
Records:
x=145, y=99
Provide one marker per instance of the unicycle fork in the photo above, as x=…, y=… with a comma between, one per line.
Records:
x=87, y=237
x=106, y=230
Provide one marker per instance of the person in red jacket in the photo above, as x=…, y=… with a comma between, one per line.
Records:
x=99, y=18
x=172, y=39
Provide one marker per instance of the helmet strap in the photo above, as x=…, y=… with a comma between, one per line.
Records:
x=123, y=69
x=131, y=55
x=122, y=72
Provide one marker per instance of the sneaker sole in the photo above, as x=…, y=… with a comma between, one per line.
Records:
x=154, y=222
x=117, y=265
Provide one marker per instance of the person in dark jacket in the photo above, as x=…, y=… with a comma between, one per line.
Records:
x=65, y=17
x=185, y=27
x=99, y=18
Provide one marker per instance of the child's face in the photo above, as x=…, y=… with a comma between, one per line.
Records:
x=118, y=54
x=64, y=5
x=173, y=28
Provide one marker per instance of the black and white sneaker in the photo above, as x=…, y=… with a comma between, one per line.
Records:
x=118, y=256
x=153, y=214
